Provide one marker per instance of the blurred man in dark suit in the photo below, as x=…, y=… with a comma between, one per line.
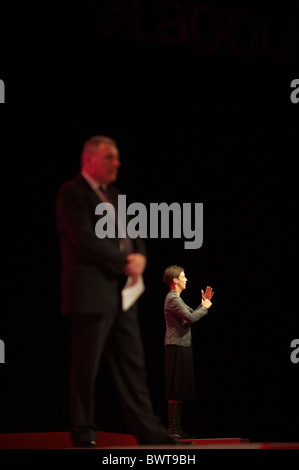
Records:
x=94, y=272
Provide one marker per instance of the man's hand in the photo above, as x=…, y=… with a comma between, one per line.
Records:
x=135, y=266
x=208, y=294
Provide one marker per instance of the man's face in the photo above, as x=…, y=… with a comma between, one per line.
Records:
x=182, y=280
x=104, y=163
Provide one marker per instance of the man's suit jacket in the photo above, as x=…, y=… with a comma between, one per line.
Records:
x=92, y=268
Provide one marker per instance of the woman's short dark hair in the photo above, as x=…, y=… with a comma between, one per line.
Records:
x=172, y=272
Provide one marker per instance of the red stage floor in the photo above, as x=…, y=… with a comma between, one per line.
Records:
x=61, y=440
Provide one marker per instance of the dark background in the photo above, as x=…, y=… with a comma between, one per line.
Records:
x=198, y=97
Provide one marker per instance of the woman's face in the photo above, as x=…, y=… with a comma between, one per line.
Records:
x=181, y=281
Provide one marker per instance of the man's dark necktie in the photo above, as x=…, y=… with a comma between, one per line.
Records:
x=126, y=244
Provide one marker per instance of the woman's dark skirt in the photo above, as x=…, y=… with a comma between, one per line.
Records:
x=179, y=373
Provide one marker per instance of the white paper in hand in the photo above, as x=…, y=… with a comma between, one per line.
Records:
x=131, y=293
